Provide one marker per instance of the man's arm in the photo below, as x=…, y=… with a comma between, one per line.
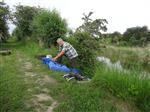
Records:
x=59, y=55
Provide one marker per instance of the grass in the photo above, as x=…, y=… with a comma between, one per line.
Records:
x=12, y=88
x=130, y=58
x=72, y=97
x=126, y=85
x=83, y=98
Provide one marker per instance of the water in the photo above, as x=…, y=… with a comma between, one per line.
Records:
x=107, y=61
x=117, y=65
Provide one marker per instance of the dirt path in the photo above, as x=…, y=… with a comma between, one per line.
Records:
x=38, y=98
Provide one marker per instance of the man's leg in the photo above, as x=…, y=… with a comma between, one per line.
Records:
x=74, y=64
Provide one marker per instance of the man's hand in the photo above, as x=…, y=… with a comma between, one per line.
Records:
x=54, y=59
x=59, y=55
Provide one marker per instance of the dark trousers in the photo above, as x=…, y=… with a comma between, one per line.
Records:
x=73, y=64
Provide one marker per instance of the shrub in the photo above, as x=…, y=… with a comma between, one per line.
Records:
x=86, y=47
x=48, y=26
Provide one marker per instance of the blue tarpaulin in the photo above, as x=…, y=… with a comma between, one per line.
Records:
x=57, y=66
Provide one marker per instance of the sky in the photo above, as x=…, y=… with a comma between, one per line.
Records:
x=120, y=14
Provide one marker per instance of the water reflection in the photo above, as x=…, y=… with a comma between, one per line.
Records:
x=107, y=61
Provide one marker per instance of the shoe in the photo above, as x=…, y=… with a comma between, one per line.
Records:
x=68, y=79
x=79, y=77
x=66, y=75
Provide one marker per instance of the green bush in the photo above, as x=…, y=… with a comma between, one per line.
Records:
x=48, y=26
x=86, y=47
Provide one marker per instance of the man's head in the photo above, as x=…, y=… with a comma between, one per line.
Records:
x=60, y=41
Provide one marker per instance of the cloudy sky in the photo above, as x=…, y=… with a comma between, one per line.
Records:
x=121, y=14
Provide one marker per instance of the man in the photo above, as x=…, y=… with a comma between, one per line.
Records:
x=68, y=50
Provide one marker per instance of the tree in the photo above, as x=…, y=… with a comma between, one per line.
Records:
x=22, y=18
x=4, y=16
x=93, y=27
x=116, y=37
x=48, y=26
x=137, y=36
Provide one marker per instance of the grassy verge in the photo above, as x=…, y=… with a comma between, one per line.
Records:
x=71, y=97
x=84, y=98
x=126, y=85
x=12, y=88
x=14, y=92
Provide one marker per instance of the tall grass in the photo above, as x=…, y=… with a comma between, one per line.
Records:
x=126, y=85
x=130, y=58
x=83, y=98
x=12, y=88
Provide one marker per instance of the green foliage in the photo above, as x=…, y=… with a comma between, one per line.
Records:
x=86, y=48
x=137, y=36
x=22, y=18
x=48, y=26
x=4, y=16
x=18, y=34
x=93, y=27
x=116, y=37
x=127, y=85
x=134, y=36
